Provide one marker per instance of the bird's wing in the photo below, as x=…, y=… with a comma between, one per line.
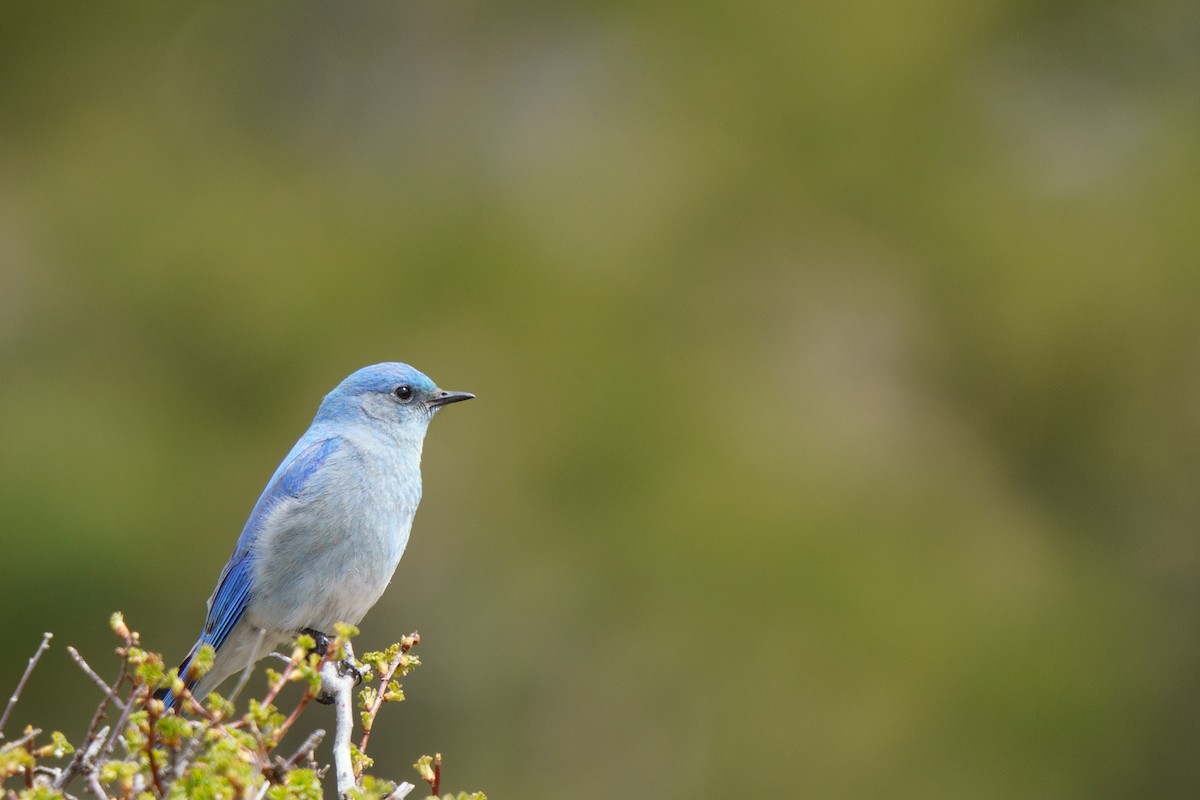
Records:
x=228, y=602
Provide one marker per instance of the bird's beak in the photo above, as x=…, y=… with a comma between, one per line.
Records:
x=444, y=398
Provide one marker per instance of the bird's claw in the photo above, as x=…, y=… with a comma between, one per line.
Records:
x=347, y=667
x=322, y=641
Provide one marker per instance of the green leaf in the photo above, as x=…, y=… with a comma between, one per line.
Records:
x=15, y=761
x=359, y=759
x=58, y=747
x=201, y=662
x=300, y=784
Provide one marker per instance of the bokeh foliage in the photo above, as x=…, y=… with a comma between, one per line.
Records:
x=837, y=370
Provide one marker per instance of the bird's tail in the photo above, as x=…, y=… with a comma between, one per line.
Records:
x=166, y=695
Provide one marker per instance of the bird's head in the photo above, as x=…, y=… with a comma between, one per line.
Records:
x=392, y=393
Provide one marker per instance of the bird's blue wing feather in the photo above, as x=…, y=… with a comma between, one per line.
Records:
x=233, y=589
x=228, y=602
x=289, y=480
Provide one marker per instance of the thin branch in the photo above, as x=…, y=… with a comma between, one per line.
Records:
x=306, y=748
x=122, y=630
x=401, y=791
x=47, y=772
x=119, y=729
x=292, y=717
x=93, y=782
x=85, y=756
x=50, y=773
x=29, y=736
x=12, y=701
x=149, y=747
x=406, y=644
x=282, y=767
x=96, y=679
x=293, y=664
x=188, y=699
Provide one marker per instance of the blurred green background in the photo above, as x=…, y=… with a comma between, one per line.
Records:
x=837, y=369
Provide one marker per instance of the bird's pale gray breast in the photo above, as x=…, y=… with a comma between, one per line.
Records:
x=329, y=554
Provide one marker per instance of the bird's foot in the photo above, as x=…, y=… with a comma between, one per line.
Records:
x=345, y=668
x=348, y=666
x=322, y=641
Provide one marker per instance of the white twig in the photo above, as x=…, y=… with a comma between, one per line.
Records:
x=119, y=729
x=85, y=762
x=33, y=660
x=29, y=736
x=342, y=688
x=46, y=772
x=401, y=791
x=306, y=748
x=96, y=679
x=93, y=782
x=85, y=757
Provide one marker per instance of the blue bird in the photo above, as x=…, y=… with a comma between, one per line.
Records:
x=328, y=531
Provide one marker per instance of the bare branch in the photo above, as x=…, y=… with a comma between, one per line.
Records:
x=291, y=718
x=149, y=748
x=293, y=663
x=49, y=772
x=93, y=782
x=119, y=729
x=122, y=630
x=305, y=748
x=342, y=688
x=186, y=698
x=406, y=644
x=28, y=737
x=12, y=701
x=85, y=756
x=401, y=791
x=96, y=679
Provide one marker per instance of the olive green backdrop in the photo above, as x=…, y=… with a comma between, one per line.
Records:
x=838, y=370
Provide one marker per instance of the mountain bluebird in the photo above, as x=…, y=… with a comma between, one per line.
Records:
x=328, y=531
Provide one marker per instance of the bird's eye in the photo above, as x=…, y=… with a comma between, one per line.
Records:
x=404, y=392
